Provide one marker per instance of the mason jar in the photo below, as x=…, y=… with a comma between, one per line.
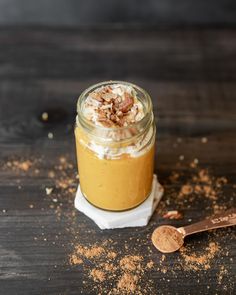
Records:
x=116, y=164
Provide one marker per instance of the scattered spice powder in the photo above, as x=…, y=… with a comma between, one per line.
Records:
x=97, y=275
x=125, y=272
x=108, y=267
x=204, y=185
x=186, y=190
x=164, y=269
x=163, y=257
x=112, y=272
x=87, y=252
x=130, y=263
x=223, y=272
x=202, y=261
x=111, y=255
x=150, y=264
x=19, y=165
x=74, y=259
x=204, y=176
x=128, y=282
x=194, y=163
x=174, y=176
x=51, y=174
x=199, y=186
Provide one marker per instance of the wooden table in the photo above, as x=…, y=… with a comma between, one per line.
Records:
x=191, y=76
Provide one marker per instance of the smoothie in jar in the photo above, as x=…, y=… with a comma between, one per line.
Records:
x=115, y=137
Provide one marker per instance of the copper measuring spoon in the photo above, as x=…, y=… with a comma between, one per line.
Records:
x=168, y=239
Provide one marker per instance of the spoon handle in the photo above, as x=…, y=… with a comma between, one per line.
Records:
x=228, y=218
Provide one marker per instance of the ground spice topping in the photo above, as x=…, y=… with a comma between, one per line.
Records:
x=167, y=239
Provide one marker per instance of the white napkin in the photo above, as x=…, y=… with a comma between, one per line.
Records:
x=138, y=216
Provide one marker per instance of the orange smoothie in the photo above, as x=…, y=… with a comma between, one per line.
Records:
x=115, y=169
x=114, y=184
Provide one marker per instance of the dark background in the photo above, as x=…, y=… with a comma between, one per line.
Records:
x=92, y=12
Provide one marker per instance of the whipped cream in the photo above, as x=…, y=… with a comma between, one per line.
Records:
x=115, y=106
x=134, y=150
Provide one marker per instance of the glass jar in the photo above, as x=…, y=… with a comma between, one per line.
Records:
x=116, y=164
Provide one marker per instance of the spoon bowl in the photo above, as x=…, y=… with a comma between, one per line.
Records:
x=167, y=239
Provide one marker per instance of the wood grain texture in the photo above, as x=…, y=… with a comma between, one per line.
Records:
x=191, y=76
x=80, y=13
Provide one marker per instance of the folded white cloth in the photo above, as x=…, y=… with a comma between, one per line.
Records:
x=138, y=216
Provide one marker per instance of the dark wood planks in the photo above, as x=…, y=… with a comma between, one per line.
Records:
x=154, y=54
x=190, y=75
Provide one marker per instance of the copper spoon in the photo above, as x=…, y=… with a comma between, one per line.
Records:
x=168, y=239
